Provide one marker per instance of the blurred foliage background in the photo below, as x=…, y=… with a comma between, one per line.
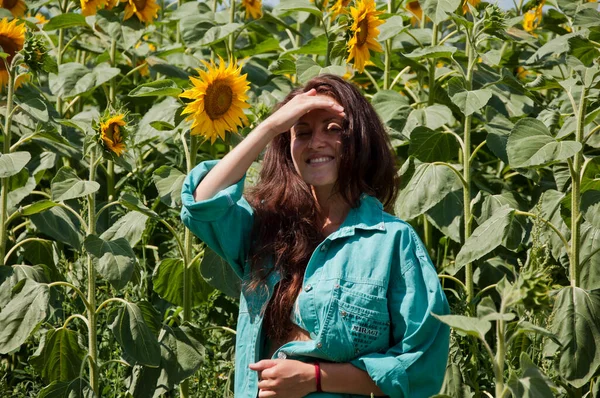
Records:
x=106, y=105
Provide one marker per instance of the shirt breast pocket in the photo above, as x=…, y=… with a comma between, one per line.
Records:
x=357, y=323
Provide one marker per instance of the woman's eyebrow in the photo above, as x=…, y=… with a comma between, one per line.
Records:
x=332, y=119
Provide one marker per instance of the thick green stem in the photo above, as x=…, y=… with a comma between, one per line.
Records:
x=427, y=234
x=5, y=181
x=61, y=38
x=387, y=46
x=178, y=32
x=467, y=173
x=112, y=93
x=187, y=310
x=388, y=50
x=91, y=293
x=432, y=63
x=231, y=20
x=576, y=193
x=188, y=262
x=112, y=97
x=59, y=51
x=500, y=353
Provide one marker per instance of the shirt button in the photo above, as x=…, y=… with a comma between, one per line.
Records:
x=319, y=345
x=344, y=313
x=308, y=288
x=281, y=355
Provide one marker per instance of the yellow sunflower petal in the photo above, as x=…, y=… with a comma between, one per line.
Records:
x=12, y=38
x=465, y=7
x=112, y=135
x=89, y=7
x=220, y=95
x=145, y=10
x=253, y=8
x=364, y=33
x=16, y=7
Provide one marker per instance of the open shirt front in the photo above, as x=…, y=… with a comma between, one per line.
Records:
x=367, y=297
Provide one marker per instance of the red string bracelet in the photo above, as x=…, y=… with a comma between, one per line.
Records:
x=318, y=376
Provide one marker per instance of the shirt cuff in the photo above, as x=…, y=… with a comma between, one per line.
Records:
x=214, y=208
x=387, y=373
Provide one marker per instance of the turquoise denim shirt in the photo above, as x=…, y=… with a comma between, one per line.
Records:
x=368, y=294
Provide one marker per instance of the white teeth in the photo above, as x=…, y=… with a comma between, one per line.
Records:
x=320, y=160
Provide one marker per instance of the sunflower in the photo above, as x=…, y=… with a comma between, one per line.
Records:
x=339, y=7
x=145, y=10
x=465, y=7
x=16, y=7
x=532, y=18
x=110, y=4
x=522, y=73
x=415, y=9
x=219, y=99
x=40, y=19
x=253, y=8
x=113, y=134
x=12, y=38
x=89, y=7
x=365, y=21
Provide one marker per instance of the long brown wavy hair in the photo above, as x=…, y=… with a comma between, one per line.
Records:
x=287, y=225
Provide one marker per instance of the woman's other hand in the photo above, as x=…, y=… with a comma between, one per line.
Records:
x=284, y=378
x=286, y=116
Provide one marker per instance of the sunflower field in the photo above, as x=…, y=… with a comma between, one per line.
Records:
x=494, y=115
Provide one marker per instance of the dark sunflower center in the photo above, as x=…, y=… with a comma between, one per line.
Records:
x=8, y=4
x=8, y=46
x=140, y=4
x=363, y=32
x=217, y=100
x=250, y=3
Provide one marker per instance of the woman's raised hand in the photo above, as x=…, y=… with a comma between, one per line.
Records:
x=235, y=164
x=285, y=117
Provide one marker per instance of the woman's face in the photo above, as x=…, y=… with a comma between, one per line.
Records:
x=316, y=146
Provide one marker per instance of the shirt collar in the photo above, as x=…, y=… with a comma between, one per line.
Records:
x=368, y=215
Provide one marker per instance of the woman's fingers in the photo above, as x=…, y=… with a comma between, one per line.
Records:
x=266, y=384
x=266, y=394
x=300, y=105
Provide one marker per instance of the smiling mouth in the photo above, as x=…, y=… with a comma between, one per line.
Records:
x=320, y=160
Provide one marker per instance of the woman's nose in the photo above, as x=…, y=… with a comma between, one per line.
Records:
x=316, y=140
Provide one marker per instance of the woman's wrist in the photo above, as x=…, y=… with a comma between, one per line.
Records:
x=318, y=377
x=267, y=128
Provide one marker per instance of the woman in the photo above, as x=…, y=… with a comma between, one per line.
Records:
x=337, y=294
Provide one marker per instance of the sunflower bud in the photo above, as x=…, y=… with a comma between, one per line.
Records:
x=495, y=19
x=35, y=54
x=112, y=133
x=534, y=287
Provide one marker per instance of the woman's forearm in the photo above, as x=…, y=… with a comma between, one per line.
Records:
x=235, y=164
x=347, y=378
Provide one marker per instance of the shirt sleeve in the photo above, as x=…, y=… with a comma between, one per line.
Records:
x=415, y=366
x=223, y=222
